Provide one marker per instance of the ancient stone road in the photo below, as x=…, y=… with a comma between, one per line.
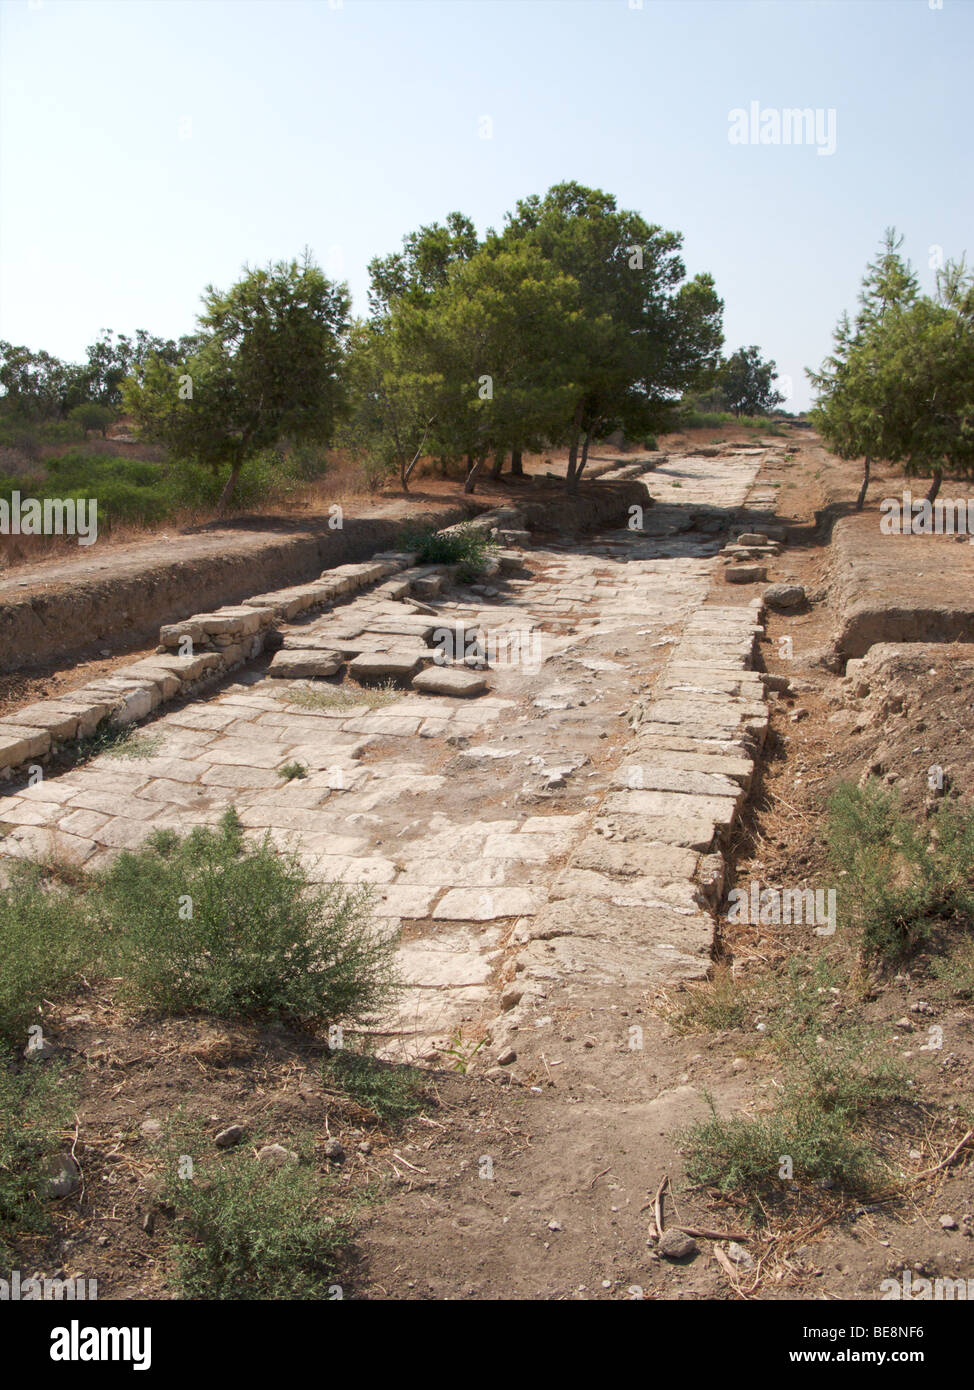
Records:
x=557, y=825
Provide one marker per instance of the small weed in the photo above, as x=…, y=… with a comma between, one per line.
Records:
x=292, y=770
x=462, y=1050
x=724, y=1001
x=391, y=1092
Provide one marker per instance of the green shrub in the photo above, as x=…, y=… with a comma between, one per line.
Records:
x=467, y=546
x=90, y=415
x=901, y=881
x=833, y=1087
x=245, y=1230
x=35, y=1107
x=292, y=770
x=203, y=922
x=745, y=1156
x=844, y=1073
x=143, y=492
x=692, y=419
x=44, y=944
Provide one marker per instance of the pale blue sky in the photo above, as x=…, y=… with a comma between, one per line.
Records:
x=151, y=146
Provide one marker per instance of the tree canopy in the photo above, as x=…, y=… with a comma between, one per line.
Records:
x=576, y=318
x=899, y=383
x=746, y=383
x=266, y=364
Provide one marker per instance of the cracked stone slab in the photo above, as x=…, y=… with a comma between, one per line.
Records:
x=372, y=665
x=718, y=810
x=488, y=904
x=647, y=775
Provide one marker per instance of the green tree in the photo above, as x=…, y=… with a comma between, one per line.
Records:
x=928, y=381
x=746, y=383
x=265, y=366
x=899, y=383
x=499, y=341
x=422, y=266
x=33, y=385
x=91, y=415
x=391, y=404
x=643, y=334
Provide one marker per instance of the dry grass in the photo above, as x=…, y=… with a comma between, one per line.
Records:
x=343, y=484
x=321, y=696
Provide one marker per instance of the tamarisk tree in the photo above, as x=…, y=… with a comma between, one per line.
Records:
x=265, y=366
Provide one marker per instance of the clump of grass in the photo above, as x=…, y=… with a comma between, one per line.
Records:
x=341, y=697
x=35, y=1107
x=44, y=944
x=791, y=999
x=205, y=923
x=245, y=1230
x=390, y=1091
x=115, y=741
x=724, y=1001
x=845, y=1073
x=292, y=770
x=136, y=746
x=956, y=971
x=902, y=881
x=467, y=546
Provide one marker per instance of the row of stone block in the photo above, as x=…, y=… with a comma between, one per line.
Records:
x=233, y=624
x=218, y=642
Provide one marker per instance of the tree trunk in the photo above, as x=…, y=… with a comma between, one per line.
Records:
x=406, y=469
x=860, y=500
x=471, y=482
x=934, y=488
x=571, y=479
x=229, y=488
x=517, y=465
x=497, y=467
x=584, y=458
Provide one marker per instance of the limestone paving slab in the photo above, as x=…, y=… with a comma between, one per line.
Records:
x=601, y=878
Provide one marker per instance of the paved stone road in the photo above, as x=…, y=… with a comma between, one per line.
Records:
x=514, y=836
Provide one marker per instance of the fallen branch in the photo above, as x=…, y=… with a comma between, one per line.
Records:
x=944, y=1162
x=714, y=1235
x=658, y=1206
